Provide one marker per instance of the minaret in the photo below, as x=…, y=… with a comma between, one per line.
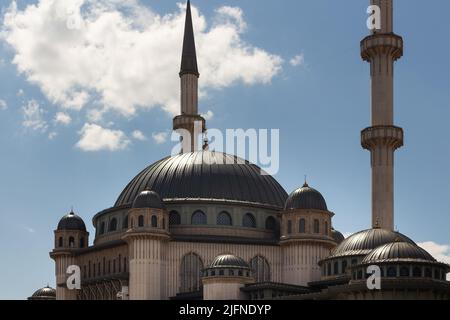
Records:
x=381, y=49
x=189, y=121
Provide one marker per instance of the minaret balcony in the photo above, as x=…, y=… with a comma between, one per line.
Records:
x=377, y=136
x=379, y=44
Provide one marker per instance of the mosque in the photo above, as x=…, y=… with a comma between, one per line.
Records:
x=191, y=227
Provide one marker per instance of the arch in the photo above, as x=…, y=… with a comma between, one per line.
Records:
x=404, y=272
x=326, y=228
x=428, y=273
x=154, y=221
x=82, y=242
x=112, y=225
x=336, y=268
x=141, y=221
x=174, y=218
x=190, y=273
x=302, y=226
x=289, y=227
x=224, y=219
x=417, y=272
x=60, y=242
x=344, y=266
x=198, y=218
x=316, y=226
x=71, y=242
x=249, y=221
x=271, y=223
x=392, y=272
x=102, y=227
x=260, y=269
x=164, y=223
x=125, y=222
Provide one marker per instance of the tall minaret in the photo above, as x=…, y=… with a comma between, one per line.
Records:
x=381, y=49
x=189, y=120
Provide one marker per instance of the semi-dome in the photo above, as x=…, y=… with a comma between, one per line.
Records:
x=46, y=293
x=206, y=175
x=229, y=261
x=363, y=242
x=71, y=222
x=337, y=236
x=398, y=252
x=305, y=198
x=148, y=199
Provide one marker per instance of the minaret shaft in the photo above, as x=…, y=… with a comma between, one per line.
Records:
x=381, y=49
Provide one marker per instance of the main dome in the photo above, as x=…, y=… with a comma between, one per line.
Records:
x=206, y=175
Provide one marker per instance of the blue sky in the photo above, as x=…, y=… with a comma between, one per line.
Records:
x=320, y=106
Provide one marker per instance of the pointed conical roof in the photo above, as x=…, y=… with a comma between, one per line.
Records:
x=189, y=58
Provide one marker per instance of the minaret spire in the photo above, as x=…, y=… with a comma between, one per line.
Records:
x=189, y=123
x=189, y=56
x=381, y=49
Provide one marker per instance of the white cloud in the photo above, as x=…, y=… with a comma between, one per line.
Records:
x=20, y=93
x=63, y=118
x=440, y=252
x=52, y=135
x=33, y=116
x=3, y=105
x=138, y=135
x=121, y=56
x=97, y=138
x=208, y=115
x=298, y=60
x=28, y=229
x=160, y=137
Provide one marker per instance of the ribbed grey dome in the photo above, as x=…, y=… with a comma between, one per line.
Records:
x=206, y=175
x=71, y=222
x=398, y=252
x=46, y=293
x=306, y=198
x=363, y=242
x=337, y=236
x=229, y=261
x=148, y=199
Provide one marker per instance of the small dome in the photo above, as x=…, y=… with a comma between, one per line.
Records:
x=71, y=222
x=305, y=198
x=398, y=252
x=363, y=242
x=229, y=261
x=337, y=236
x=46, y=293
x=148, y=199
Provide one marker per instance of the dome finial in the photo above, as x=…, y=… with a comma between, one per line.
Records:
x=305, y=185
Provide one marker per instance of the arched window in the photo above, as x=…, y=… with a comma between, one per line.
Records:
x=329, y=269
x=354, y=261
x=125, y=222
x=198, y=218
x=141, y=221
x=316, y=226
x=289, y=227
x=360, y=274
x=326, y=228
x=260, y=269
x=174, y=218
x=271, y=223
x=249, y=221
x=164, y=223
x=436, y=274
x=417, y=272
x=81, y=242
x=102, y=228
x=60, y=242
x=71, y=242
x=404, y=272
x=190, y=273
x=112, y=225
x=302, y=226
x=154, y=222
x=392, y=272
x=119, y=263
x=344, y=266
x=224, y=219
x=428, y=273
x=336, y=268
